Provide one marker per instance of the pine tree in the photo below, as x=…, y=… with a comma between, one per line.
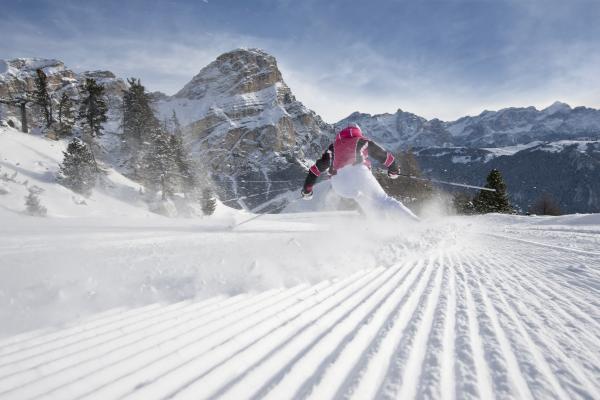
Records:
x=184, y=166
x=159, y=159
x=77, y=171
x=140, y=128
x=42, y=97
x=66, y=115
x=138, y=119
x=487, y=201
x=177, y=131
x=209, y=203
x=93, y=108
x=158, y=166
x=33, y=206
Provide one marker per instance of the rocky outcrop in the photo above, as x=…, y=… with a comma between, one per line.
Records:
x=18, y=76
x=17, y=79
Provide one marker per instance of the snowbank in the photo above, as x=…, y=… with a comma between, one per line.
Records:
x=28, y=161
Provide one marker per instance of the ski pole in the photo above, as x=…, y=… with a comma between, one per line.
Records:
x=289, y=180
x=447, y=183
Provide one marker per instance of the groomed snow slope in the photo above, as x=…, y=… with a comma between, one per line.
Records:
x=481, y=307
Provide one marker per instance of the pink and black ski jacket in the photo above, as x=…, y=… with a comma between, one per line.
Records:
x=350, y=147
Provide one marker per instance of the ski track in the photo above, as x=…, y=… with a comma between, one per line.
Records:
x=507, y=315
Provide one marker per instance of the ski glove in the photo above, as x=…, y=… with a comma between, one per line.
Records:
x=393, y=172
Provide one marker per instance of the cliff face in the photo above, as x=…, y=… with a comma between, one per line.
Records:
x=242, y=120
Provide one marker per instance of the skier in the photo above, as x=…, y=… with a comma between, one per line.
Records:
x=347, y=161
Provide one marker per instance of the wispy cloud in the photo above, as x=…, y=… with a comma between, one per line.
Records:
x=437, y=59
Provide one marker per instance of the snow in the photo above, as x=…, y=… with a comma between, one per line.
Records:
x=558, y=146
x=461, y=159
x=510, y=150
x=21, y=67
x=490, y=306
x=557, y=106
x=28, y=160
x=190, y=110
x=107, y=300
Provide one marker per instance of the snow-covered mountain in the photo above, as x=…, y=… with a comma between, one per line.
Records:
x=506, y=127
x=400, y=130
x=242, y=119
x=512, y=126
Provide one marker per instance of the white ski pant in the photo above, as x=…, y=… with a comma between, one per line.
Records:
x=358, y=183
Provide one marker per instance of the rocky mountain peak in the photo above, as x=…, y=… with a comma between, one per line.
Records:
x=556, y=107
x=236, y=72
x=17, y=76
x=25, y=65
x=240, y=116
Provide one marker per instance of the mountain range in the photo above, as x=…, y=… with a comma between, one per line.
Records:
x=242, y=121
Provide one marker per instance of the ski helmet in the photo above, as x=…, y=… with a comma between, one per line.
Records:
x=354, y=130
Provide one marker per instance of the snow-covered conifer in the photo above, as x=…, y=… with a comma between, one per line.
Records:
x=158, y=168
x=93, y=108
x=209, y=203
x=185, y=169
x=66, y=115
x=42, y=97
x=77, y=171
x=138, y=119
x=33, y=206
x=176, y=125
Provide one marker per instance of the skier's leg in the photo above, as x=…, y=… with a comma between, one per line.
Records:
x=345, y=184
x=388, y=205
x=374, y=197
x=358, y=183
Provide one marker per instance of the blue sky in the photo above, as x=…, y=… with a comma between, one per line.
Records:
x=444, y=59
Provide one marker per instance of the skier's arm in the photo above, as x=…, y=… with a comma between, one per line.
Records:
x=317, y=168
x=384, y=157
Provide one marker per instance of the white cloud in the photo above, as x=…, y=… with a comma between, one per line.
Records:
x=340, y=75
